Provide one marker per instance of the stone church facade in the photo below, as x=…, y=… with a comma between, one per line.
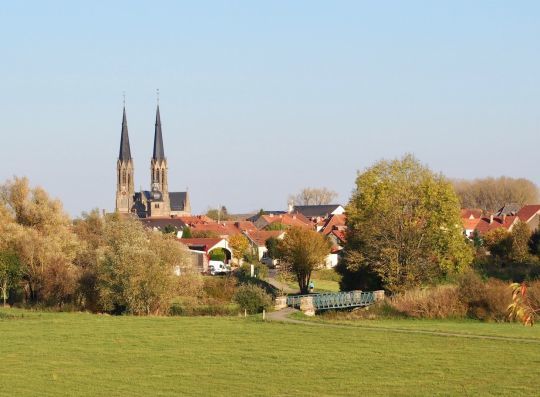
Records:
x=158, y=202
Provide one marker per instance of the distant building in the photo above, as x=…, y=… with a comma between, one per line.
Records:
x=158, y=201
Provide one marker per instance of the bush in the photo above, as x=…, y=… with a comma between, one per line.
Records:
x=219, y=289
x=252, y=298
x=244, y=272
x=436, y=302
x=191, y=307
x=218, y=254
x=486, y=301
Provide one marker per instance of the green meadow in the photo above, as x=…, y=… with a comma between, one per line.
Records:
x=78, y=354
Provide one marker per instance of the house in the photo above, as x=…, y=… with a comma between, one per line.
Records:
x=318, y=211
x=484, y=225
x=258, y=239
x=285, y=219
x=334, y=222
x=202, y=247
x=530, y=214
x=161, y=223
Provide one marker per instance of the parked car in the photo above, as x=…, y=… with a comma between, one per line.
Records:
x=218, y=267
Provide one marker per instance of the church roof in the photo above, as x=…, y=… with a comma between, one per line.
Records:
x=125, y=150
x=178, y=200
x=159, y=152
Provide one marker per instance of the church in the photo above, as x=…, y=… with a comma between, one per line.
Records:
x=158, y=202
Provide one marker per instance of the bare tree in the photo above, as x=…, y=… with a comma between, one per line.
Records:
x=491, y=194
x=314, y=196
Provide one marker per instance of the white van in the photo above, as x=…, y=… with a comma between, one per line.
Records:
x=218, y=267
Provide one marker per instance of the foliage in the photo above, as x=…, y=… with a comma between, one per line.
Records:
x=499, y=243
x=491, y=194
x=302, y=251
x=272, y=247
x=239, y=245
x=525, y=307
x=519, y=242
x=404, y=225
x=260, y=270
x=10, y=272
x=438, y=302
x=136, y=272
x=218, y=254
x=327, y=274
x=314, y=196
x=275, y=226
x=252, y=298
x=186, y=232
x=534, y=242
x=204, y=234
x=220, y=214
x=220, y=289
x=170, y=229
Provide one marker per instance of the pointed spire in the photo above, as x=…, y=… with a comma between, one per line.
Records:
x=159, y=153
x=125, y=150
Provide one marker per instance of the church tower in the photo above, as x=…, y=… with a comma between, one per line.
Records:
x=159, y=173
x=124, y=172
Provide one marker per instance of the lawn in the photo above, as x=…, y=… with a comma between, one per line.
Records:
x=75, y=354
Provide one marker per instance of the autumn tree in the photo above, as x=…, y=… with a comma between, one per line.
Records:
x=40, y=236
x=136, y=272
x=404, y=226
x=301, y=251
x=240, y=246
x=314, y=196
x=218, y=214
x=491, y=194
x=519, y=241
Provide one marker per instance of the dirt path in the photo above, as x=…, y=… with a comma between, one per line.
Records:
x=283, y=316
x=272, y=279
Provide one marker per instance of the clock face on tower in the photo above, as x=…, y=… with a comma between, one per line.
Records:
x=155, y=186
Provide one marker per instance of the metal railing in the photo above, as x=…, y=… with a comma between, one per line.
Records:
x=337, y=300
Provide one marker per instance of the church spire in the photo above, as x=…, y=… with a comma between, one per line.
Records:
x=125, y=150
x=159, y=153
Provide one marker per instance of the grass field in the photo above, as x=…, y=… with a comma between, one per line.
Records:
x=68, y=354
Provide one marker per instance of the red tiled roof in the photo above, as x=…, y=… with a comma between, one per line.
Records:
x=340, y=234
x=260, y=237
x=527, y=212
x=204, y=243
x=219, y=228
x=471, y=213
x=484, y=225
x=195, y=219
x=288, y=220
x=470, y=224
x=334, y=222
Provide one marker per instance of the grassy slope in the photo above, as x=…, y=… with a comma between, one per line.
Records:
x=81, y=354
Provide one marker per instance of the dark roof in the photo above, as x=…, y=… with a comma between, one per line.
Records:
x=125, y=151
x=160, y=223
x=159, y=153
x=312, y=211
x=178, y=200
x=254, y=218
x=508, y=209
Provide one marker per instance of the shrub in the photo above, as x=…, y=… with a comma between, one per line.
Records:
x=244, y=271
x=218, y=255
x=252, y=298
x=486, y=301
x=435, y=302
x=219, y=289
x=192, y=307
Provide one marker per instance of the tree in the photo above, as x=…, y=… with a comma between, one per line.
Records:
x=218, y=214
x=314, y=196
x=276, y=226
x=272, y=247
x=10, y=272
x=239, y=245
x=186, y=232
x=404, y=226
x=136, y=272
x=218, y=254
x=204, y=234
x=170, y=229
x=491, y=194
x=302, y=251
x=519, y=239
x=499, y=243
x=534, y=242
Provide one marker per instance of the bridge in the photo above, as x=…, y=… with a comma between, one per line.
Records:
x=339, y=300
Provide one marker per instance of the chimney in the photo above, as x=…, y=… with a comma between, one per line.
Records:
x=491, y=219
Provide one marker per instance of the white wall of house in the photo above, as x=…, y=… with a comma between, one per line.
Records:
x=331, y=261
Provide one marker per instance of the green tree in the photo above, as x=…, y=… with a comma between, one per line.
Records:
x=302, y=251
x=186, y=232
x=10, y=273
x=170, y=229
x=499, y=243
x=404, y=225
x=272, y=247
x=218, y=254
x=276, y=226
x=534, y=242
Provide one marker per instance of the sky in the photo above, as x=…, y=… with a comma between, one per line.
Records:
x=261, y=99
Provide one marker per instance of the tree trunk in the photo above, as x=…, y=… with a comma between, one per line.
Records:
x=4, y=292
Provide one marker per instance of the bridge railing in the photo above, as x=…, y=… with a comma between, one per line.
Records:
x=331, y=300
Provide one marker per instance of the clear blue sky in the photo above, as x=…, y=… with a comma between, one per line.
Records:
x=260, y=99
